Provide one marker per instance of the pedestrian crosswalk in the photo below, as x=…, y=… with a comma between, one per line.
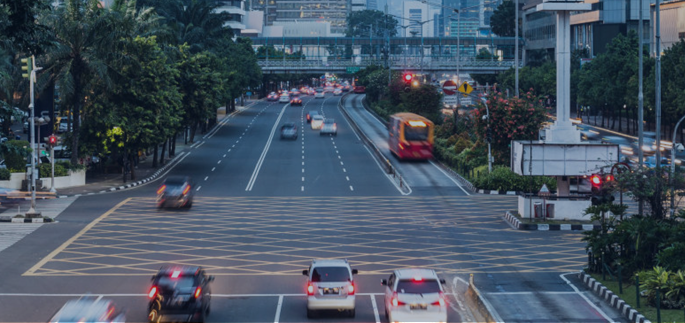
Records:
x=11, y=233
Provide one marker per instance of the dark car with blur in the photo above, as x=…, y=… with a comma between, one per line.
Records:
x=176, y=191
x=89, y=309
x=296, y=101
x=359, y=89
x=180, y=291
x=289, y=131
x=311, y=115
x=273, y=96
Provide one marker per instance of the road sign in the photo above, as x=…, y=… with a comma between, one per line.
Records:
x=465, y=88
x=449, y=101
x=449, y=87
x=544, y=191
x=248, y=93
x=353, y=69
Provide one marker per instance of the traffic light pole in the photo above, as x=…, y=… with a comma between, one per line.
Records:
x=52, y=172
x=32, y=213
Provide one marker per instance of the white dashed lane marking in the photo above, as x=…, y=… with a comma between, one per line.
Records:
x=213, y=168
x=206, y=177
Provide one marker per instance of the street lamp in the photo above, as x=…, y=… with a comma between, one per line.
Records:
x=673, y=151
x=487, y=117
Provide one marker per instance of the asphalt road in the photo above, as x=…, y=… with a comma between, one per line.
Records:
x=265, y=207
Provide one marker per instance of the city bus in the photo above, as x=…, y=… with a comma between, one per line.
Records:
x=410, y=136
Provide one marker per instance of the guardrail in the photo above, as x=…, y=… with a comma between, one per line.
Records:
x=384, y=162
x=397, y=63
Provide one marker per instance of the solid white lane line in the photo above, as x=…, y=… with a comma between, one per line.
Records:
x=448, y=176
x=213, y=168
x=606, y=317
x=351, y=188
x=99, y=298
x=198, y=188
x=206, y=177
x=198, y=146
x=258, y=166
x=375, y=309
x=278, y=308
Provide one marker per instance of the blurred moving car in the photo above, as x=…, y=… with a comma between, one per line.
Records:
x=294, y=91
x=359, y=89
x=311, y=114
x=180, y=290
x=176, y=191
x=296, y=101
x=289, y=131
x=63, y=125
x=330, y=286
x=414, y=295
x=273, y=96
x=317, y=122
x=650, y=162
x=337, y=92
x=89, y=309
x=284, y=99
x=329, y=127
x=320, y=94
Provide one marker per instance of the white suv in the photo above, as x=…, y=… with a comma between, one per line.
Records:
x=415, y=295
x=330, y=286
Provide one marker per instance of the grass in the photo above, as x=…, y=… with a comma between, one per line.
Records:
x=628, y=296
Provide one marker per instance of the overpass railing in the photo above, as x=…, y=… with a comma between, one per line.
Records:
x=414, y=63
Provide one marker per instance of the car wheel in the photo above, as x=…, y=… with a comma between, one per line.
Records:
x=351, y=313
x=200, y=317
x=208, y=310
x=153, y=316
x=310, y=314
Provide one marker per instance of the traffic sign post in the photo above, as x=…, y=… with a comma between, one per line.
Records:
x=544, y=192
x=465, y=88
x=353, y=69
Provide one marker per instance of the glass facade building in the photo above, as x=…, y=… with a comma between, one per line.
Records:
x=333, y=11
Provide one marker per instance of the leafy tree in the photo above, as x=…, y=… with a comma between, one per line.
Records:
x=510, y=119
x=423, y=100
x=19, y=27
x=359, y=24
x=482, y=79
x=15, y=153
x=543, y=79
x=673, y=83
x=79, y=55
x=201, y=86
x=502, y=20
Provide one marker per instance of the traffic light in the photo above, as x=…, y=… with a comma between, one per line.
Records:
x=407, y=78
x=52, y=140
x=601, y=188
x=26, y=67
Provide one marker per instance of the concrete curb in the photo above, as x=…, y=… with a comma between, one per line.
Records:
x=481, y=308
x=514, y=221
x=494, y=192
x=613, y=300
x=25, y=220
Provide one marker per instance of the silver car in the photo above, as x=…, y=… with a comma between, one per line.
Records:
x=415, y=295
x=284, y=99
x=176, y=191
x=289, y=131
x=89, y=309
x=329, y=127
x=330, y=286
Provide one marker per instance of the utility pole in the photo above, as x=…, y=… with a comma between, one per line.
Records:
x=640, y=101
x=32, y=213
x=516, y=46
x=387, y=36
x=657, y=73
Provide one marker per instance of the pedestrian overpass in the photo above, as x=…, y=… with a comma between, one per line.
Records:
x=416, y=54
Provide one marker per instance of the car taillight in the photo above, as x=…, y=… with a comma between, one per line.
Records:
x=161, y=189
x=310, y=290
x=198, y=291
x=440, y=301
x=350, y=289
x=185, y=190
x=396, y=302
x=153, y=292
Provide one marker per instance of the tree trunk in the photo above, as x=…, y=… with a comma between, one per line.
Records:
x=170, y=144
x=161, y=157
x=132, y=159
x=620, y=120
x=173, y=144
x=77, y=115
x=193, y=128
x=154, y=159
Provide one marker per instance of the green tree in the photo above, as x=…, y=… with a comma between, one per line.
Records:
x=240, y=69
x=79, y=55
x=423, y=100
x=510, y=119
x=201, y=86
x=360, y=23
x=502, y=20
x=15, y=153
x=673, y=84
x=19, y=27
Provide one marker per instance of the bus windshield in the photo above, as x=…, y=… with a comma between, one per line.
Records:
x=415, y=133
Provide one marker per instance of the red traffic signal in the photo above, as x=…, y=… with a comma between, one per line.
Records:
x=609, y=178
x=52, y=140
x=407, y=77
x=596, y=180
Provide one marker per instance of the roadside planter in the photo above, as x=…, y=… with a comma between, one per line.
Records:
x=75, y=178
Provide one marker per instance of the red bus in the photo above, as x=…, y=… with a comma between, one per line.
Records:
x=411, y=136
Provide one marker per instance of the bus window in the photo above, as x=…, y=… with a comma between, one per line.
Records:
x=415, y=133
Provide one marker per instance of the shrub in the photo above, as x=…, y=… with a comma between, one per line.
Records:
x=503, y=179
x=672, y=257
x=45, y=170
x=69, y=166
x=4, y=174
x=671, y=285
x=15, y=152
x=462, y=144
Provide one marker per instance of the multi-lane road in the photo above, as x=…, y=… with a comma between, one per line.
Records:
x=265, y=207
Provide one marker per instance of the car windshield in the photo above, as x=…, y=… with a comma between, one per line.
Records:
x=330, y=274
x=183, y=282
x=329, y=121
x=318, y=118
x=418, y=287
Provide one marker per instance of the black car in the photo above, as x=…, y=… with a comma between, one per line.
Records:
x=176, y=191
x=180, y=290
x=289, y=131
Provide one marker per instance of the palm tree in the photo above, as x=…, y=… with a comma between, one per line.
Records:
x=79, y=55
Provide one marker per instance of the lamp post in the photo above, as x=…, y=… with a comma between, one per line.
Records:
x=673, y=151
x=487, y=117
x=32, y=211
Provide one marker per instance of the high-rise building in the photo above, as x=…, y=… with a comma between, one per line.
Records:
x=267, y=7
x=236, y=9
x=373, y=5
x=358, y=5
x=418, y=19
x=333, y=11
